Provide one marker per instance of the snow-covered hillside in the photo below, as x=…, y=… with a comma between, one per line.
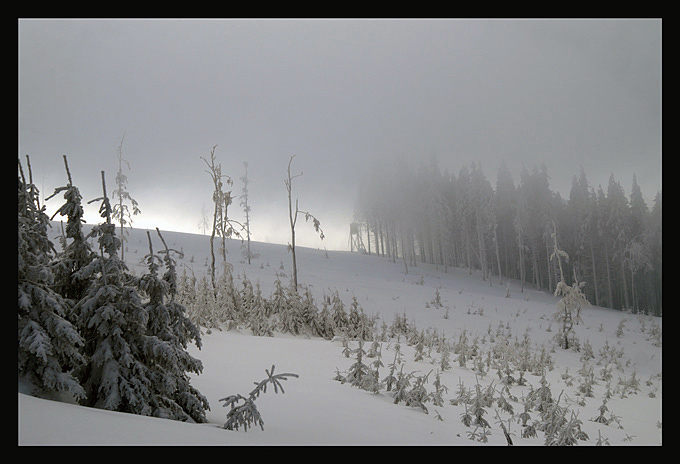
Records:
x=316, y=409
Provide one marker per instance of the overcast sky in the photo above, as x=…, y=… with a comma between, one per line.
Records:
x=337, y=94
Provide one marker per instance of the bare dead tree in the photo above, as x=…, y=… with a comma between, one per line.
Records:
x=222, y=225
x=293, y=219
x=215, y=172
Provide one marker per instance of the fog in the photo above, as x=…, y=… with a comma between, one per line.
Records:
x=340, y=95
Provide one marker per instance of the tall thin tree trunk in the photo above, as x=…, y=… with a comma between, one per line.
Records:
x=498, y=257
x=382, y=243
x=377, y=243
x=609, y=276
x=292, y=234
x=592, y=258
x=625, y=285
x=368, y=237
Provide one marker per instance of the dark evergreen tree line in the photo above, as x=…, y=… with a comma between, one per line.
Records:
x=426, y=215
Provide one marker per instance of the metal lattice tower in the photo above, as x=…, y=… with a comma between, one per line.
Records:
x=355, y=238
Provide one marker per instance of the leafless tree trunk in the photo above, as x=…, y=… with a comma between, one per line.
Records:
x=293, y=219
x=215, y=172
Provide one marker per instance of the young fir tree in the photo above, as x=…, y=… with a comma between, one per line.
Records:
x=372, y=381
x=248, y=254
x=76, y=251
x=168, y=333
x=48, y=344
x=255, y=309
x=112, y=320
x=203, y=312
x=417, y=396
x=338, y=314
x=310, y=313
x=358, y=371
x=247, y=414
x=247, y=296
x=290, y=316
x=390, y=379
x=227, y=302
x=186, y=291
x=353, y=319
x=569, y=307
x=401, y=385
x=359, y=324
x=445, y=361
x=278, y=302
x=325, y=321
x=439, y=390
x=121, y=211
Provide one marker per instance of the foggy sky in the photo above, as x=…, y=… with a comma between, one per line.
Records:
x=338, y=94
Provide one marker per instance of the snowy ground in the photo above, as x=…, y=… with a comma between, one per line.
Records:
x=318, y=410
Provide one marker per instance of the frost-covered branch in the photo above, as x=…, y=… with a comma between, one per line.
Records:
x=246, y=414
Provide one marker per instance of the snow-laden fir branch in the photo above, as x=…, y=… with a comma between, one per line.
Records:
x=246, y=414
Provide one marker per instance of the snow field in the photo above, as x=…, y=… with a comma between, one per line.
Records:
x=317, y=410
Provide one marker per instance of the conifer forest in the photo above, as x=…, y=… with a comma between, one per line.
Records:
x=419, y=214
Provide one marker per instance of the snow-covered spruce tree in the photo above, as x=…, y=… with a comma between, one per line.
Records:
x=168, y=333
x=121, y=211
x=278, y=302
x=399, y=326
x=569, y=307
x=445, y=360
x=602, y=419
x=358, y=370
x=325, y=321
x=419, y=352
x=338, y=314
x=203, y=312
x=439, y=390
x=290, y=316
x=186, y=291
x=246, y=296
x=227, y=297
x=359, y=326
x=76, y=251
x=540, y=399
x=310, y=314
x=412, y=334
x=353, y=319
x=478, y=403
x=112, y=320
x=461, y=348
x=557, y=429
x=48, y=344
x=246, y=414
x=375, y=349
x=401, y=385
x=372, y=381
x=246, y=210
x=417, y=396
x=259, y=322
x=463, y=396
x=390, y=378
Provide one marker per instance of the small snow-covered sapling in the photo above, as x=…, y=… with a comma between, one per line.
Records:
x=246, y=414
